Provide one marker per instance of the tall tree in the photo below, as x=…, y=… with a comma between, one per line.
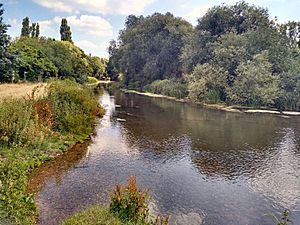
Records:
x=33, y=30
x=148, y=49
x=37, y=31
x=65, y=31
x=5, y=59
x=25, y=32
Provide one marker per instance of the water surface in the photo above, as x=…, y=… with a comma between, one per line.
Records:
x=202, y=166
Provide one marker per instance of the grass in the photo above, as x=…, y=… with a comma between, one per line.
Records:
x=95, y=215
x=33, y=130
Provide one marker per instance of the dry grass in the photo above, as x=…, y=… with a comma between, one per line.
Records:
x=21, y=90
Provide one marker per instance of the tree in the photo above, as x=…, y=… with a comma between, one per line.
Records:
x=65, y=31
x=37, y=31
x=25, y=32
x=31, y=62
x=291, y=30
x=99, y=66
x=207, y=83
x=255, y=84
x=149, y=49
x=6, y=60
x=290, y=83
x=229, y=51
x=240, y=17
x=33, y=30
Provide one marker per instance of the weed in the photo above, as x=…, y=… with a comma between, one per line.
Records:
x=131, y=204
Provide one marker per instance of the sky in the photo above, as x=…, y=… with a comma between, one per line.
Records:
x=95, y=22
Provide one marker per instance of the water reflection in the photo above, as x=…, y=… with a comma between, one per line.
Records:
x=279, y=177
x=202, y=166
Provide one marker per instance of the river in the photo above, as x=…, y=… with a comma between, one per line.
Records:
x=202, y=166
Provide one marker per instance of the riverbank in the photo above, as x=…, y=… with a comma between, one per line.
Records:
x=236, y=109
x=34, y=130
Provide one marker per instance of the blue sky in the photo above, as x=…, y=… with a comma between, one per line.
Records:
x=95, y=22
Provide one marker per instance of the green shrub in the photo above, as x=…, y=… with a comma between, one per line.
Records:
x=173, y=88
x=75, y=107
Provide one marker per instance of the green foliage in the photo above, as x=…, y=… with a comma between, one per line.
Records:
x=148, y=49
x=13, y=197
x=46, y=58
x=240, y=17
x=92, y=80
x=290, y=83
x=19, y=125
x=98, y=66
x=173, y=88
x=6, y=60
x=37, y=30
x=95, y=215
x=32, y=64
x=131, y=205
x=65, y=31
x=207, y=83
x=25, y=32
x=74, y=107
x=255, y=84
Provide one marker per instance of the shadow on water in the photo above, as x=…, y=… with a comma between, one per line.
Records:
x=202, y=166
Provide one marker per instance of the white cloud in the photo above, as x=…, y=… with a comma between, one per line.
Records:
x=123, y=7
x=89, y=46
x=91, y=25
x=46, y=25
x=13, y=22
x=196, y=13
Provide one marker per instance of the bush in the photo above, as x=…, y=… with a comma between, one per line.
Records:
x=75, y=107
x=173, y=88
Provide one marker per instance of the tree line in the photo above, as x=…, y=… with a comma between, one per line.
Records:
x=235, y=54
x=34, y=58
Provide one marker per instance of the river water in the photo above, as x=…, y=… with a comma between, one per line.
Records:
x=202, y=166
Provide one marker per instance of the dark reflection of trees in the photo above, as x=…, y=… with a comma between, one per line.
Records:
x=220, y=143
x=57, y=167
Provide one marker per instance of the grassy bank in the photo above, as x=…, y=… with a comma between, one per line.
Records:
x=34, y=129
x=222, y=107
